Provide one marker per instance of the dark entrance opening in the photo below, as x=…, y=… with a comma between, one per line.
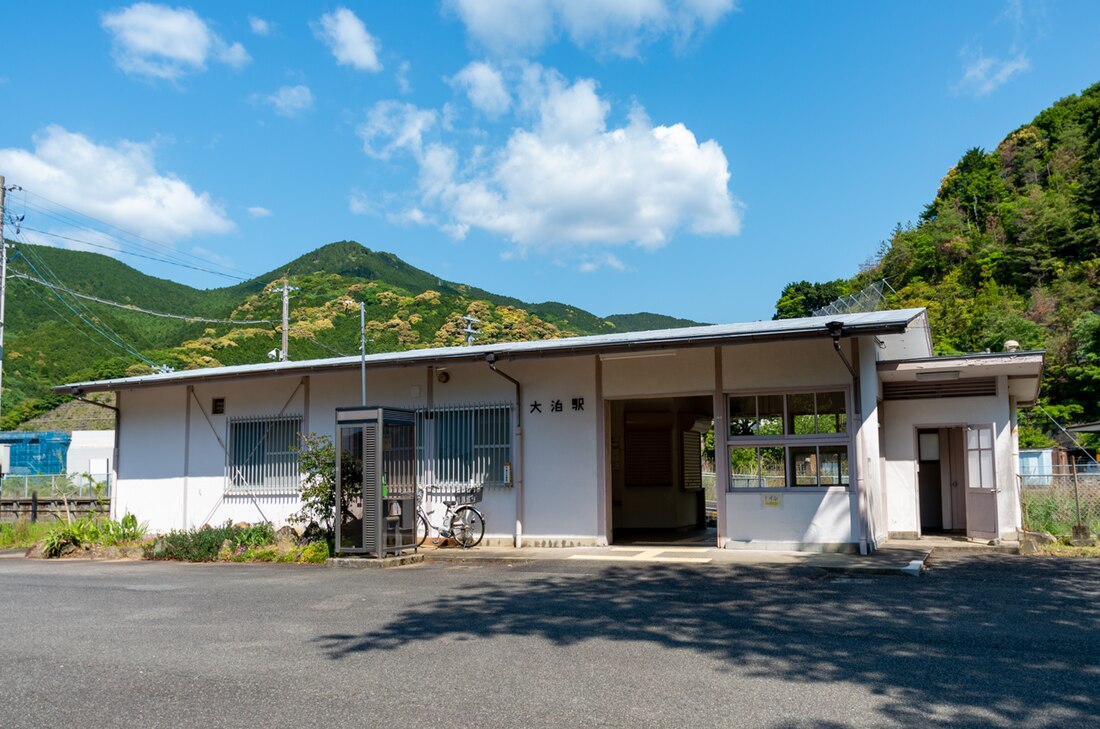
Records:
x=656, y=454
x=939, y=481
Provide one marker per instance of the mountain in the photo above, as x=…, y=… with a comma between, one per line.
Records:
x=1009, y=248
x=54, y=336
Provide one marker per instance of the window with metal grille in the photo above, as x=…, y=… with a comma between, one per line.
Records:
x=460, y=446
x=262, y=456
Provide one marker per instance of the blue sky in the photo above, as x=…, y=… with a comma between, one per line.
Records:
x=689, y=157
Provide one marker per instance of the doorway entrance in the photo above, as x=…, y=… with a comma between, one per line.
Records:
x=656, y=470
x=941, y=480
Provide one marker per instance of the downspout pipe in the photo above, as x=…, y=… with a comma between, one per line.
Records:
x=836, y=331
x=517, y=467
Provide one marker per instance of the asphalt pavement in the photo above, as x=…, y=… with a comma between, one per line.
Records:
x=979, y=640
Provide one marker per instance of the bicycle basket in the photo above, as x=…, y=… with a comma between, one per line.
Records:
x=466, y=498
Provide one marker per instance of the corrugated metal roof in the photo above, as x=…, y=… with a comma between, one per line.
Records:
x=879, y=322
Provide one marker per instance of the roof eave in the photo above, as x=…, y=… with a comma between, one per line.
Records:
x=460, y=354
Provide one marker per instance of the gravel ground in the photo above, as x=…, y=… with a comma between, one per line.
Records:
x=980, y=640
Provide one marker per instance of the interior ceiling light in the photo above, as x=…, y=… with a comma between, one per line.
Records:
x=938, y=376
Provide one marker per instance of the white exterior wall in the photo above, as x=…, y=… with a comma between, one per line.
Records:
x=817, y=519
x=87, y=446
x=560, y=469
x=561, y=451
x=904, y=417
x=675, y=372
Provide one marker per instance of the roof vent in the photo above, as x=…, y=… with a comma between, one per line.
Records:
x=1012, y=346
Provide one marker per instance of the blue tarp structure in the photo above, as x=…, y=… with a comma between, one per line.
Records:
x=36, y=453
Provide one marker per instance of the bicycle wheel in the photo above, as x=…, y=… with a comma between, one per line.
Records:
x=467, y=527
x=421, y=530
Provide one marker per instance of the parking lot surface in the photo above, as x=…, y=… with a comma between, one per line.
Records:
x=990, y=640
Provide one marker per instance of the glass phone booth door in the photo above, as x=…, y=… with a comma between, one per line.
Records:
x=375, y=481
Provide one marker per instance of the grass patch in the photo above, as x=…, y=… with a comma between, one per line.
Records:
x=1057, y=513
x=23, y=534
x=1059, y=549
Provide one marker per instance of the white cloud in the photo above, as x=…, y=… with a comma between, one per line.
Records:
x=394, y=126
x=567, y=179
x=402, y=77
x=484, y=86
x=591, y=264
x=291, y=100
x=348, y=39
x=118, y=184
x=166, y=43
x=257, y=211
x=510, y=27
x=259, y=26
x=359, y=203
x=983, y=74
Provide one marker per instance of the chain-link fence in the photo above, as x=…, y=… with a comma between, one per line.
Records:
x=1058, y=500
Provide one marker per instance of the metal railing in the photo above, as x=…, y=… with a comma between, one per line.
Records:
x=15, y=486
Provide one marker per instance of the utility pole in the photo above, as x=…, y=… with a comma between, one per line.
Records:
x=284, y=354
x=471, y=330
x=3, y=275
x=363, y=350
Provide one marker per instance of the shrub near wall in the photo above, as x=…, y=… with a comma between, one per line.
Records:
x=233, y=543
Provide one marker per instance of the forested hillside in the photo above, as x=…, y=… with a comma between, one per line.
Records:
x=54, y=336
x=1008, y=249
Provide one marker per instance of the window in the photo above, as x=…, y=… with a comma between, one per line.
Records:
x=979, y=457
x=261, y=455
x=788, y=440
x=464, y=445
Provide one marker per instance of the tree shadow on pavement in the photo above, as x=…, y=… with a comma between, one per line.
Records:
x=977, y=642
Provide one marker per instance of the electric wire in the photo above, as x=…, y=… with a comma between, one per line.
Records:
x=138, y=309
x=325, y=346
x=135, y=236
x=121, y=243
x=116, y=340
x=117, y=251
x=30, y=253
x=46, y=302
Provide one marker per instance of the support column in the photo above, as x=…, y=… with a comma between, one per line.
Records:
x=189, y=394
x=721, y=449
x=603, y=527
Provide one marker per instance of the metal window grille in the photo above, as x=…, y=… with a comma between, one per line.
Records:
x=460, y=446
x=261, y=455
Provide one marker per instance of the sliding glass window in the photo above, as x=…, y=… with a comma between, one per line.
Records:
x=788, y=440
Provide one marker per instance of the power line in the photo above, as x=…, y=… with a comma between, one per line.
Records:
x=131, y=253
x=131, y=307
x=65, y=319
x=134, y=235
x=325, y=346
x=116, y=340
x=29, y=253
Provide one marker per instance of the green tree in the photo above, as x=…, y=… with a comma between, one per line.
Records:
x=800, y=298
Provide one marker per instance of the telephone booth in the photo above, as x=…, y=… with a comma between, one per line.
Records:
x=375, y=481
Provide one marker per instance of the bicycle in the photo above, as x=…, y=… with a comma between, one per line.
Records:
x=465, y=524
